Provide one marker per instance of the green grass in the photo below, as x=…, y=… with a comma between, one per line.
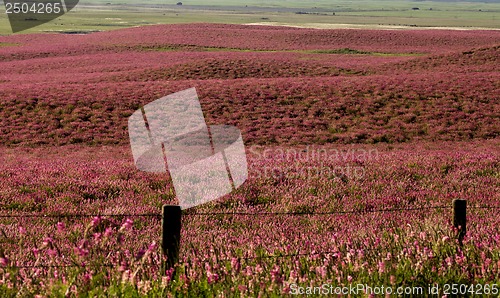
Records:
x=336, y=5
x=345, y=51
x=97, y=15
x=6, y=44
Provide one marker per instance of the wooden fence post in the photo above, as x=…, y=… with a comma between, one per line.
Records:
x=171, y=233
x=460, y=218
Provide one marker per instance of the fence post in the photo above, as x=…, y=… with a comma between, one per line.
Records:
x=460, y=218
x=171, y=233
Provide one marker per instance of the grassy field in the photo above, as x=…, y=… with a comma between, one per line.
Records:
x=357, y=143
x=102, y=15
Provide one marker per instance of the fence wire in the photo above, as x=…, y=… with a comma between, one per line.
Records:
x=43, y=266
x=159, y=215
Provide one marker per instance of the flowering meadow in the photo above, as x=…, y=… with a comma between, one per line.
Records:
x=357, y=142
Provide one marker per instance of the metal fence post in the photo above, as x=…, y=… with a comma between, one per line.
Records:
x=171, y=233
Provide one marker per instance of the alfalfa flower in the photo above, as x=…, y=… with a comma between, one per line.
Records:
x=127, y=225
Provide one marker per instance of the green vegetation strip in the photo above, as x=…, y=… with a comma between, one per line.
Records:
x=194, y=48
x=6, y=44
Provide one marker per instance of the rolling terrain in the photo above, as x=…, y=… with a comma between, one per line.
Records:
x=357, y=143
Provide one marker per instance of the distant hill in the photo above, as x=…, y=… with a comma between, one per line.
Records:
x=481, y=1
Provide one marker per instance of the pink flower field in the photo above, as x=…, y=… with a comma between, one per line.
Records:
x=357, y=143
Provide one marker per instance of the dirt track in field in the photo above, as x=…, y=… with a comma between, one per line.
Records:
x=364, y=26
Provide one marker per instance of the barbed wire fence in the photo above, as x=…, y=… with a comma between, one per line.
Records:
x=171, y=248
x=159, y=215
